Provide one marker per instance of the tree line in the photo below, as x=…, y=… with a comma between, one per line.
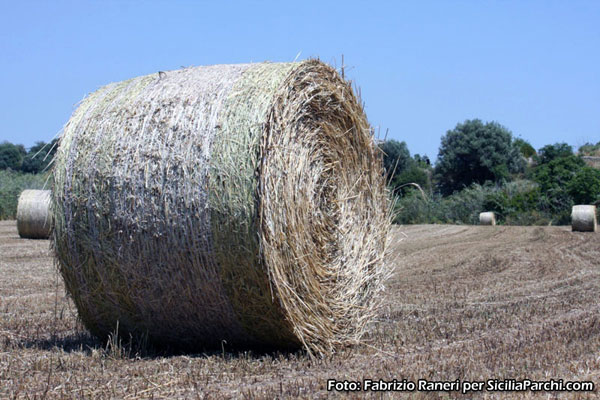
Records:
x=483, y=167
x=33, y=161
x=480, y=166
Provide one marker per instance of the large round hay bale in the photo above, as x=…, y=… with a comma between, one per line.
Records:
x=487, y=218
x=583, y=218
x=33, y=214
x=243, y=203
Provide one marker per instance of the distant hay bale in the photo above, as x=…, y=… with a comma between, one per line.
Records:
x=487, y=218
x=33, y=214
x=583, y=218
x=244, y=203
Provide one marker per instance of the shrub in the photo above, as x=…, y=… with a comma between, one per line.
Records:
x=553, y=151
x=460, y=208
x=515, y=203
x=525, y=148
x=584, y=188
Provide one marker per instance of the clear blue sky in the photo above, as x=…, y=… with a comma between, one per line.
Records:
x=423, y=66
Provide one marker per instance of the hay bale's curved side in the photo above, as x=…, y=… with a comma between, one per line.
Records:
x=323, y=208
x=235, y=159
x=133, y=232
x=487, y=218
x=33, y=214
x=243, y=203
x=583, y=218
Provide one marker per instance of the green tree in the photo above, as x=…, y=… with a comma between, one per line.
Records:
x=39, y=157
x=11, y=156
x=413, y=174
x=401, y=168
x=584, y=188
x=475, y=152
x=525, y=148
x=558, y=173
x=422, y=161
x=553, y=151
x=396, y=157
x=554, y=178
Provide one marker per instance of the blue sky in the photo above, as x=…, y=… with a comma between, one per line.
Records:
x=422, y=66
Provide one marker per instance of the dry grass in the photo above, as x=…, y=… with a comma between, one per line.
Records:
x=239, y=203
x=464, y=302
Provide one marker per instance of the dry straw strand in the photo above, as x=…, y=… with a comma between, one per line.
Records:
x=33, y=214
x=243, y=203
x=583, y=218
x=487, y=218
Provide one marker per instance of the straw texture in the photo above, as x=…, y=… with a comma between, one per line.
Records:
x=487, y=218
x=243, y=203
x=33, y=214
x=583, y=218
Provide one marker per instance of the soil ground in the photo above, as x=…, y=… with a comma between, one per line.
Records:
x=463, y=302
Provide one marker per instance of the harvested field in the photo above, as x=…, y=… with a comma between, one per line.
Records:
x=464, y=302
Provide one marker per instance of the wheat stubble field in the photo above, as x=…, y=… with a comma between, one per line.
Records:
x=463, y=302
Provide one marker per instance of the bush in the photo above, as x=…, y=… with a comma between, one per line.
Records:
x=557, y=203
x=412, y=174
x=515, y=203
x=413, y=209
x=558, y=172
x=553, y=151
x=525, y=148
x=460, y=208
x=464, y=207
x=554, y=178
x=584, y=188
